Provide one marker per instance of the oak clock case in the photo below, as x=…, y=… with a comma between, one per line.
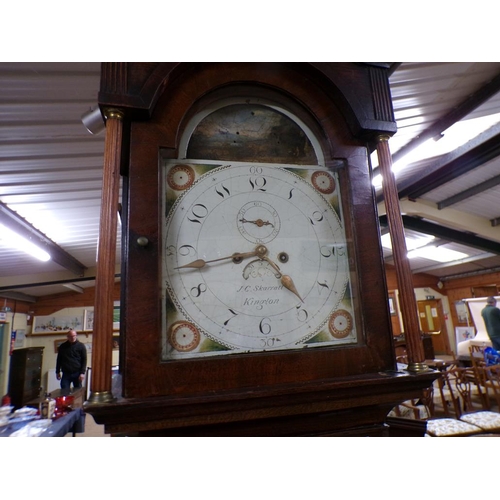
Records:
x=255, y=259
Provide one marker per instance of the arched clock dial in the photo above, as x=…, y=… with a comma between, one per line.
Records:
x=255, y=258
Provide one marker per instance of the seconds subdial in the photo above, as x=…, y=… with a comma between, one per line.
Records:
x=258, y=222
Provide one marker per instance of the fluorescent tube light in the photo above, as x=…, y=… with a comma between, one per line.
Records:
x=11, y=239
x=438, y=254
x=411, y=242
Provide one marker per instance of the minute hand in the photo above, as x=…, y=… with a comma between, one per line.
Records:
x=286, y=280
x=198, y=264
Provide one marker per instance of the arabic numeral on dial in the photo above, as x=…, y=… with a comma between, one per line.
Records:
x=327, y=251
x=258, y=183
x=233, y=315
x=255, y=170
x=302, y=314
x=223, y=191
x=316, y=217
x=186, y=250
x=265, y=326
x=196, y=291
x=170, y=250
x=268, y=342
x=341, y=251
x=198, y=213
x=322, y=286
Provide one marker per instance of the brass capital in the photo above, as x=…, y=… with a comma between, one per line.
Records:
x=417, y=367
x=383, y=138
x=116, y=113
x=101, y=397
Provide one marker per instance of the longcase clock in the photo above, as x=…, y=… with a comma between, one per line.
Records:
x=257, y=305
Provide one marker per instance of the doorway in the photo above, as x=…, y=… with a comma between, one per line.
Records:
x=432, y=322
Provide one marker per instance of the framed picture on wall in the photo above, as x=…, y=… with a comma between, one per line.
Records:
x=56, y=324
x=88, y=320
x=464, y=333
x=462, y=311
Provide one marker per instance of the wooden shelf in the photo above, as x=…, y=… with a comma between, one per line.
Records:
x=51, y=334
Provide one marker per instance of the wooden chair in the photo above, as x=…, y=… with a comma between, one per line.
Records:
x=445, y=386
x=418, y=408
x=476, y=375
x=469, y=420
x=490, y=376
x=412, y=409
x=464, y=379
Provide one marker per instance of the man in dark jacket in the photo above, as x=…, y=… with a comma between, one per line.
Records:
x=491, y=317
x=72, y=360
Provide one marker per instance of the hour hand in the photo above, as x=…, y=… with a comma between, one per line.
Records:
x=258, y=222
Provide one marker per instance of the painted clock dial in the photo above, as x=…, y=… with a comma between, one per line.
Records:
x=255, y=259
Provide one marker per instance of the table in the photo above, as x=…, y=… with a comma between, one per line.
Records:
x=78, y=395
x=440, y=363
x=73, y=422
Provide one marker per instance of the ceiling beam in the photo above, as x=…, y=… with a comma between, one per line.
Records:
x=468, y=193
x=461, y=111
x=463, y=238
x=442, y=265
x=22, y=227
x=17, y=296
x=49, y=283
x=476, y=152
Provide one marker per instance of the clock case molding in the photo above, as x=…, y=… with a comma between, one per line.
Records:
x=345, y=390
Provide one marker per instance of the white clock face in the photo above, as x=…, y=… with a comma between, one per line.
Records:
x=255, y=259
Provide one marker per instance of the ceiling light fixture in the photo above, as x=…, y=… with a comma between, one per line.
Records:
x=73, y=287
x=438, y=254
x=93, y=120
x=412, y=242
x=11, y=239
x=21, y=227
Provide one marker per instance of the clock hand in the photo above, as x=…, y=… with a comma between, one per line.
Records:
x=286, y=280
x=258, y=222
x=199, y=263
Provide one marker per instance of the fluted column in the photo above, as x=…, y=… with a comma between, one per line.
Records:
x=102, y=346
x=407, y=300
